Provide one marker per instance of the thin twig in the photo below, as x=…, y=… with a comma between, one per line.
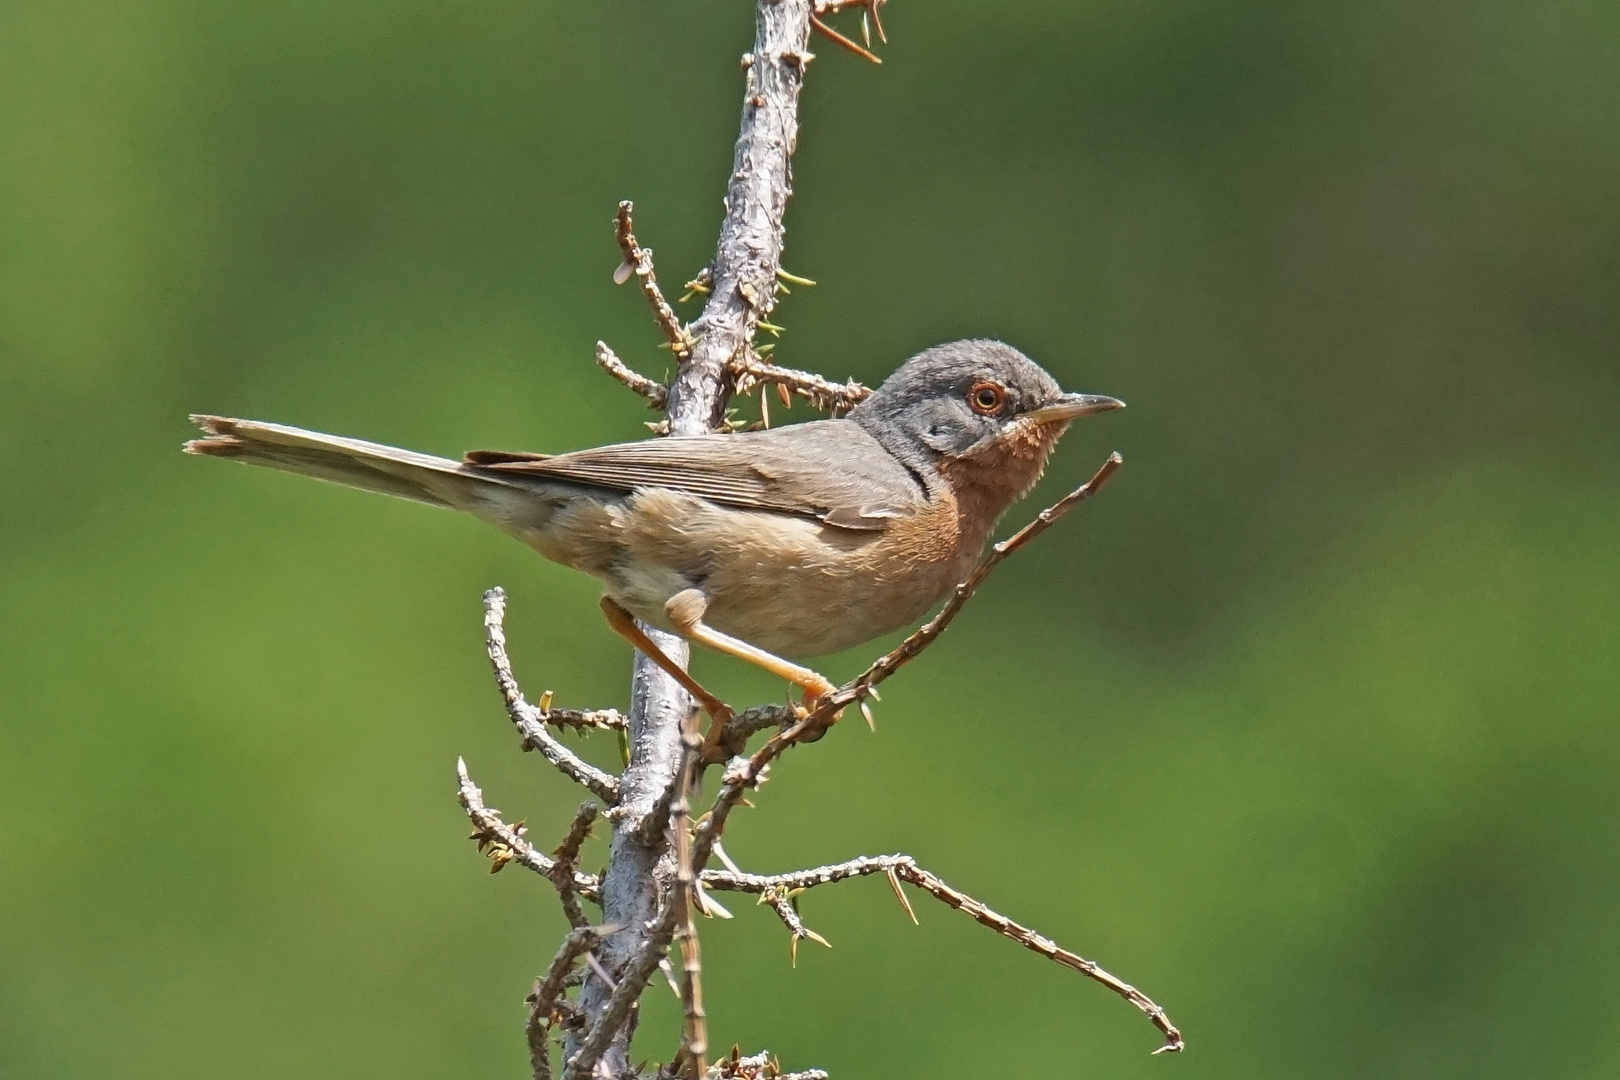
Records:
x=585, y=720
x=526, y=718
x=695, y=1036
x=640, y=262
x=656, y=393
x=505, y=843
x=567, y=861
x=750, y=371
x=906, y=868
x=543, y=999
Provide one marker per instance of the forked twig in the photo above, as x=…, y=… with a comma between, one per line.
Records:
x=567, y=861
x=633, y=980
x=906, y=868
x=638, y=261
x=505, y=843
x=529, y=720
x=544, y=998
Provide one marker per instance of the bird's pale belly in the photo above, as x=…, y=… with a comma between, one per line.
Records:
x=786, y=584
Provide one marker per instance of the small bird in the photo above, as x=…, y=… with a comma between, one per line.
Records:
x=790, y=542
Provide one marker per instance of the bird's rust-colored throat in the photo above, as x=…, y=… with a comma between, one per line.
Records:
x=988, y=479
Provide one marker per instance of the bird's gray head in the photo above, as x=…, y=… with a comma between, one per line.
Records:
x=957, y=399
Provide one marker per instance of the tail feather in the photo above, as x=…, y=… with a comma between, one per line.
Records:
x=369, y=466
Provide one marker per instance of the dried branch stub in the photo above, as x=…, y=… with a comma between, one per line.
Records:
x=639, y=261
x=656, y=393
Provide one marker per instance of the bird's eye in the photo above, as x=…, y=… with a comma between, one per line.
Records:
x=986, y=398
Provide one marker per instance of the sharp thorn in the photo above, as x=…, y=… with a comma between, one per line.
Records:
x=900, y=895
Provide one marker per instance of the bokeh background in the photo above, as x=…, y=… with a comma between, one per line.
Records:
x=1308, y=726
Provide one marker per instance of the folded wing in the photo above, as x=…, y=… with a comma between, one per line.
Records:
x=831, y=470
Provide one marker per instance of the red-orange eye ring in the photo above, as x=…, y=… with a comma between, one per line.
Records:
x=986, y=398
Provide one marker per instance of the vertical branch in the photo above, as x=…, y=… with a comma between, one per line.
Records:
x=695, y=1040
x=749, y=253
x=747, y=257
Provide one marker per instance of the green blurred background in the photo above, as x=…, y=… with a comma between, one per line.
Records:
x=1308, y=726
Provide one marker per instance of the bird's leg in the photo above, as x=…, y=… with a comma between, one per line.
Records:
x=625, y=624
x=685, y=610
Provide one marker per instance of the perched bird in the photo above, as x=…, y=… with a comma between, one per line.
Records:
x=790, y=542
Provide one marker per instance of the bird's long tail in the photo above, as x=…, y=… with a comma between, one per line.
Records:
x=369, y=466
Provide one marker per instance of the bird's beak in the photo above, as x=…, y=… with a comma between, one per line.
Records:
x=1070, y=406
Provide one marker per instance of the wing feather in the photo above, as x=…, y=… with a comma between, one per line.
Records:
x=831, y=470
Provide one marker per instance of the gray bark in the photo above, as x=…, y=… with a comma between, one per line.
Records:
x=744, y=270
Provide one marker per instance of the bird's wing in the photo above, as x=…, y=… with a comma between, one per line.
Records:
x=827, y=469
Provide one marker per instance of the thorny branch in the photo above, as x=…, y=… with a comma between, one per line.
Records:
x=545, y=1003
x=639, y=261
x=749, y=371
x=581, y=719
x=772, y=887
x=623, y=997
x=567, y=862
x=656, y=393
x=742, y=280
x=504, y=843
x=530, y=721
